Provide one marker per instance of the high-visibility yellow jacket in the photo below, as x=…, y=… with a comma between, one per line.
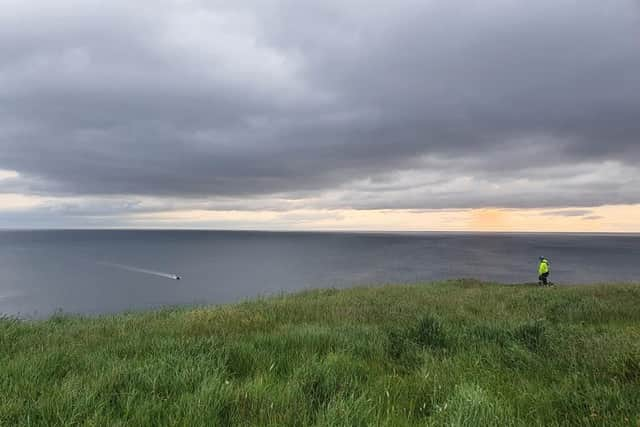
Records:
x=543, y=267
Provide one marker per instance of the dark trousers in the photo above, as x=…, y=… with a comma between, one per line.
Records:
x=543, y=278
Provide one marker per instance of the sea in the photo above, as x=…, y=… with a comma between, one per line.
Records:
x=91, y=272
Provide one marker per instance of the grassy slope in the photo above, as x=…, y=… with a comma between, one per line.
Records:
x=461, y=353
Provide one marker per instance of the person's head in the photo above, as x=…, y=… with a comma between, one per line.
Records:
x=541, y=258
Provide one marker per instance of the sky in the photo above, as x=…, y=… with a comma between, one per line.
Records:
x=489, y=115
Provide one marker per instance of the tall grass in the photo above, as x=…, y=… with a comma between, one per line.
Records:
x=455, y=353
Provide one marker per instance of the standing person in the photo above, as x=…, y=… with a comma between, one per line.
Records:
x=543, y=271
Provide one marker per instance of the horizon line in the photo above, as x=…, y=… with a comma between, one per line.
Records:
x=328, y=231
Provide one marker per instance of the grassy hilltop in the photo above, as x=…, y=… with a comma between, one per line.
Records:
x=454, y=353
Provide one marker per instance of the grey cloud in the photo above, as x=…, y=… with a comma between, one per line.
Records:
x=568, y=212
x=481, y=104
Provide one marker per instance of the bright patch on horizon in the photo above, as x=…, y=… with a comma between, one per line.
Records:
x=8, y=174
x=9, y=202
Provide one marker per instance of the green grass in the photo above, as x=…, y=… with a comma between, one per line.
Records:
x=454, y=353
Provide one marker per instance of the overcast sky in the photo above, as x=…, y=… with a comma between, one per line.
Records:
x=289, y=113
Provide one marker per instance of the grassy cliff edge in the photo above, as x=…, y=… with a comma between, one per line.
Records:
x=452, y=353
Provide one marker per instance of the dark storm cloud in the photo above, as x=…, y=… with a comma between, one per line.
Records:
x=357, y=104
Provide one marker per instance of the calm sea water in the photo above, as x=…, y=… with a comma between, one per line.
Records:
x=94, y=272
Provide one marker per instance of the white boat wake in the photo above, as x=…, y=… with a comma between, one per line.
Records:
x=142, y=270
